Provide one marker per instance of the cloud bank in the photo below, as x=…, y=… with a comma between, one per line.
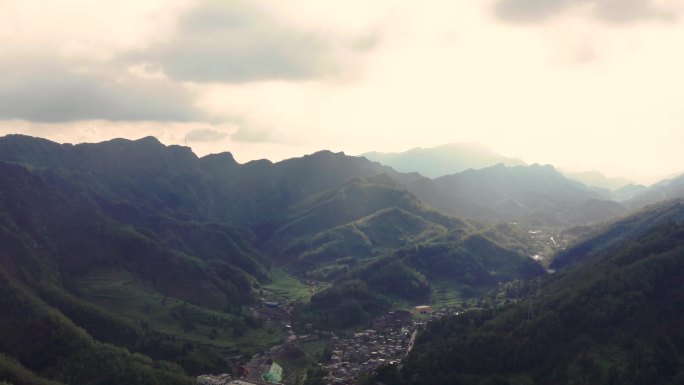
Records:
x=611, y=11
x=43, y=90
x=231, y=41
x=214, y=41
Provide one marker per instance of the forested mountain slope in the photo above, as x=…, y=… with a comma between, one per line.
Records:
x=535, y=195
x=615, y=319
x=132, y=252
x=663, y=190
x=620, y=231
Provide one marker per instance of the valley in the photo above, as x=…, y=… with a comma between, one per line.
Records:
x=149, y=264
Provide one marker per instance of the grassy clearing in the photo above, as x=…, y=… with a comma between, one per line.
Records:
x=285, y=287
x=402, y=304
x=257, y=340
x=445, y=294
x=442, y=294
x=120, y=294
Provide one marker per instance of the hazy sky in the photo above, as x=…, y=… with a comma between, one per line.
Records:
x=581, y=84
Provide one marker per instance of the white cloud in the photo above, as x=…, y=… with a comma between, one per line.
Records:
x=42, y=89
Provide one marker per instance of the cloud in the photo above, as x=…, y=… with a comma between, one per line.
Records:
x=205, y=135
x=156, y=61
x=233, y=42
x=252, y=134
x=612, y=11
x=366, y=43
x=529, y=10
x=44, y=90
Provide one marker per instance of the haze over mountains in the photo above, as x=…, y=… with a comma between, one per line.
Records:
x=472, y=181
x=458, y=157
x=442, y=160
x=139, y=261
x=535, y=195
x=597, y=179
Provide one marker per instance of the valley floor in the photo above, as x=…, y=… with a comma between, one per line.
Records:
x=353, y=354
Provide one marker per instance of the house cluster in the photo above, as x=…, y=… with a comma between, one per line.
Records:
x=364, y=351
x=546, y=242
x=220, y=379
x=387, y=342
x=392, y=320
x=262, y=371
x=444, y=312
x=273, y=311
x=213, y=379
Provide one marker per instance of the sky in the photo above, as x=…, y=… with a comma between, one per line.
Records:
x=580, y=84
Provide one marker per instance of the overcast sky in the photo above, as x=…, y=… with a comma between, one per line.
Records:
x=581, y=84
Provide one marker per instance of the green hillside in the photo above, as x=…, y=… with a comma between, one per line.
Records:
x=106, y=283
x=150, y=257
x=620, y=231
x=616, y=319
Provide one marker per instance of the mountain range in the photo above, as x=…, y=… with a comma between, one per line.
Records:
x=534, y=195
x=136, y=262
x=597, y=179
x=442, y=160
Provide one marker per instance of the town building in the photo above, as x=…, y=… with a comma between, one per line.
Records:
x=422, y=309
x=213, y=379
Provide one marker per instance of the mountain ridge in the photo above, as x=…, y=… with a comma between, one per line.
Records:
x=537, y=195
x=442, y=160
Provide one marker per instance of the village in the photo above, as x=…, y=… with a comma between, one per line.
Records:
x=387, y=341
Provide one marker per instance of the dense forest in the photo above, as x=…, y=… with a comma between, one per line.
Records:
x=616, y=319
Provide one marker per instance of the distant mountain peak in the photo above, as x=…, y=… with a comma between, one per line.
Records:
x=597, y=179
x=544, y=166
x=148, y=139
x=443, y=160
x=327, y=154
x=259, y=164
x=219, y=163
x=224, y=158
x=144, y=141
